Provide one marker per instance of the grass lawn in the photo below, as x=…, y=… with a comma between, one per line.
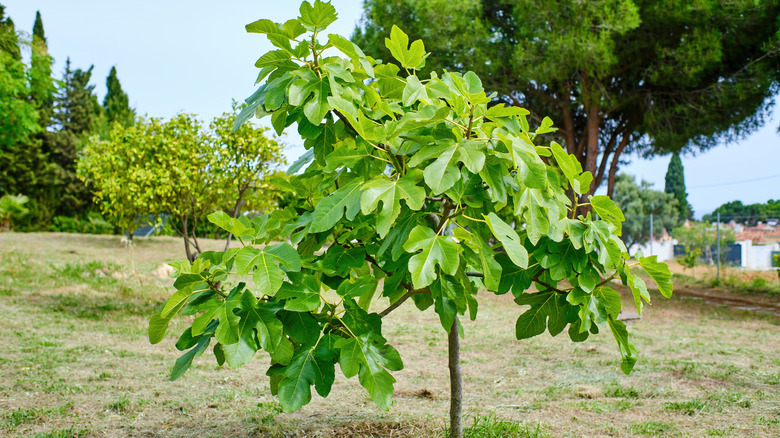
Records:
x=75, y=361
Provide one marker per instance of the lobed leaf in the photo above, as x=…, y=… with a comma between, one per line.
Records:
x=509, y=239
x=431, y=250
x=659, y=272
x=608, y=211
x=409, y=57
x=390, y=193
x=330, y=210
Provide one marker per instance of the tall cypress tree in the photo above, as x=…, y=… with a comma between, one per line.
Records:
x=42, y=87
x=38, y=27
x=9, y=41
x=116, y=102
x=675, y=184
x=22, y=163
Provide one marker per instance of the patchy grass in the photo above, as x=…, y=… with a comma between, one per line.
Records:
x=654, y=428
x=731, y=278
x=489, y=426
x=690, y=407
x=75, y=361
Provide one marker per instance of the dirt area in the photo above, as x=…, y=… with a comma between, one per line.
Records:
x=75, y=361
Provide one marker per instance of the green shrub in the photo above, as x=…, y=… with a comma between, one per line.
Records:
x=92, y=223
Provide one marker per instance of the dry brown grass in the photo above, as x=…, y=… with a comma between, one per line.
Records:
x=74, y=358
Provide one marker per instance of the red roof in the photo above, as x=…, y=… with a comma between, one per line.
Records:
x=759, y=234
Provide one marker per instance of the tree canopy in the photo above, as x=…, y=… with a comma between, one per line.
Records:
x=116, y=103
x=20, y=155
x=638, y=202
x=749, y=214
x=616, y=76
x=177, y=168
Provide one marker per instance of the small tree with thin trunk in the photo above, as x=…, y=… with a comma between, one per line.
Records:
x=178, y=168
x=406, y=180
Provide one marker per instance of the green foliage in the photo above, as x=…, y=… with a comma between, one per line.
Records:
x=116, y=102
x=38, y=28
x=703, y=236
x=675, y=185
x=638, y=201
x=617, y=76
x=42, y=85
x=407, y=180
x=91, y=223
x=12, y=208
x=749, y=214
x=22, y=161
x=179, y=168
x=43, y=129
x=691, y=257
x=9, y=40
x=76, y=112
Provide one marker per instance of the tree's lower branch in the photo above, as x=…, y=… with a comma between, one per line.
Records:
x=409, y=293
x=535, y=279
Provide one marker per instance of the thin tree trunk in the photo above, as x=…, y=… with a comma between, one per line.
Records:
x=195, y=235
x=186, y=236
x=236, y=209
x=456, y=385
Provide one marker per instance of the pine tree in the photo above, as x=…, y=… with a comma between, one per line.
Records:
x=76, y=113
x=78, y=106
x=116, y=102
x=675, y=184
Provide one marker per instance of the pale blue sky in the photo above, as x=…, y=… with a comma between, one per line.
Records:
x=193, y=56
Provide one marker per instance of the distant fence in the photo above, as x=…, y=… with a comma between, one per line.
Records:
x=743, y=254
x=729, y=254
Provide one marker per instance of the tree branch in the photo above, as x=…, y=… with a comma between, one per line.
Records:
x=409, y=293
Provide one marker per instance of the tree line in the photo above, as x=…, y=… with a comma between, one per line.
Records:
x=617, y=77
x=46, y=122
x=70, y=158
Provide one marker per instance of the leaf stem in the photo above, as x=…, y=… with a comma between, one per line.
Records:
x=467, y=134
x=314, y=54
x=473, y=218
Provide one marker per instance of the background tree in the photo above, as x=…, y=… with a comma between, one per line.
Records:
x=616, y=76
x=247, y=158
x=116, y=102
x=177, y=168
x=76, y=114
x=675, y=185
x=403, y=181
x=749, y=214
x=23, y=161
x=637, y=202
x=9, y=40
x=42, y=86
